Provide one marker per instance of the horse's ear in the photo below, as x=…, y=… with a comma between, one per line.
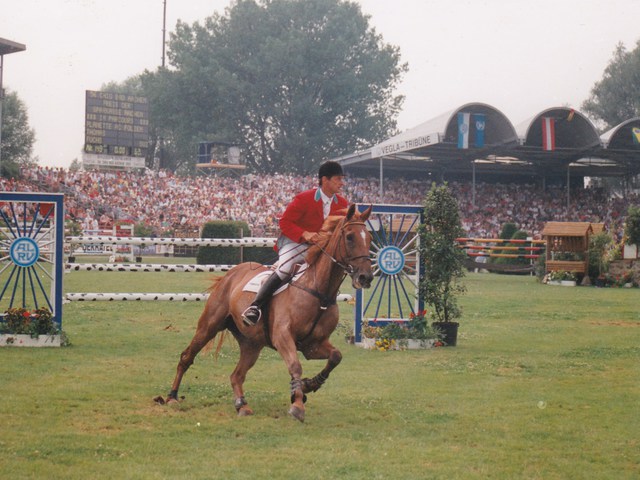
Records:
x=365, y=215
x=351, y=211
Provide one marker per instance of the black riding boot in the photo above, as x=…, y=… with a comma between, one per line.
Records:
x=253, y=313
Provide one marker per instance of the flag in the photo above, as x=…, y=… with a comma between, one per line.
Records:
x=635, y=131
x=548, y=133
x=572, y=112
x=463, y=129
x=479, y=122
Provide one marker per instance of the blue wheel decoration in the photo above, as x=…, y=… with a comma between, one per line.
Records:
x=394, y=294
x=31, y=245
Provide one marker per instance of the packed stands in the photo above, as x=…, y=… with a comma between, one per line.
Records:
x=165, y=202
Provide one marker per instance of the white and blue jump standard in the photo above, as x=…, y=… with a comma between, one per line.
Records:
x=394, y=294
x=31, y=252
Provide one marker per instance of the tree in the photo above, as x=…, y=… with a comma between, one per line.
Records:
x=443, y=260
x=616, y=97
x=17, y=137
x=292, y=81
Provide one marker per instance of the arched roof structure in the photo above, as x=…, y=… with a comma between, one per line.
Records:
x=579, y=151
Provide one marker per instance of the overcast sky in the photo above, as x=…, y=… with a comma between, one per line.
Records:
x=519, y=56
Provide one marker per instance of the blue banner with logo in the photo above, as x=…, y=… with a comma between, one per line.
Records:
x=463, y=129
x=479, y=121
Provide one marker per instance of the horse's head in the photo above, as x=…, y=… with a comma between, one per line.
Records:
x=352, y=249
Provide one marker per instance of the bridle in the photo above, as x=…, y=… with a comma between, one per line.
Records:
x=346, y=262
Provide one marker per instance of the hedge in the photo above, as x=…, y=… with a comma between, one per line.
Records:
x=231, y=255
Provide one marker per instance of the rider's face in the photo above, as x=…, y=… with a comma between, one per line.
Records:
x=333, y=185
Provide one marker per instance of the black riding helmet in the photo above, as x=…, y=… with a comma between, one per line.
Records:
x=329, y=169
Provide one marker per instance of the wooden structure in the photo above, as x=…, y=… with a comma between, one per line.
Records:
x=567, y=246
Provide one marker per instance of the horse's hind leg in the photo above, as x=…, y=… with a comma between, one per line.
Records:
x=323, y=351
x=209, y=324
x=248, y=356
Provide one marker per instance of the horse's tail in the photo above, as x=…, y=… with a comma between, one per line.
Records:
x=209, y=346
x=215, y=281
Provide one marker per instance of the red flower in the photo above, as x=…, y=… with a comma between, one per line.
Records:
x=26, y=314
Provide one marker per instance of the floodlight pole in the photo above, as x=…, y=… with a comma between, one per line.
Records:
x=6, y=47
x=164, y=30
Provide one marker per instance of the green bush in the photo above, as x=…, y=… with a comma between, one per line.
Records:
x=231, y=255
x=599, y=245
x=632, y=226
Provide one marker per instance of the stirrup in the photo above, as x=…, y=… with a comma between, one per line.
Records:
x=250, y=313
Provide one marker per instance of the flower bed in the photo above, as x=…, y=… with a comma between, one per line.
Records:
x=22, y=328
x=21, y=340
x=415, y=333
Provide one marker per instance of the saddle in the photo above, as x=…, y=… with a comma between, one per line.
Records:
x=253, y=285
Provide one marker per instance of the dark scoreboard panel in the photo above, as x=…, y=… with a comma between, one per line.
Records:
x=116, y=124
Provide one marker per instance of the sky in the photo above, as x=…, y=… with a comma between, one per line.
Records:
x=520, y=57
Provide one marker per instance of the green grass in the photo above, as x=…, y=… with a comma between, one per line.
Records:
x=544, y=384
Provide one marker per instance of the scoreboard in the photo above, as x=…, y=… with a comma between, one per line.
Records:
x=116, y=124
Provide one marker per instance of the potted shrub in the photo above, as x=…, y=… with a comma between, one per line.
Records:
x=443, y=261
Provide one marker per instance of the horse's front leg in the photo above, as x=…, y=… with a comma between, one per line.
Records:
x=325, y=350
x=289, y=353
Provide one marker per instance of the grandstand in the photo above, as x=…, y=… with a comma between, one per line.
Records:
x=166, y=203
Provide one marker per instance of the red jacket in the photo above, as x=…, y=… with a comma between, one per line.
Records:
x=304, y=213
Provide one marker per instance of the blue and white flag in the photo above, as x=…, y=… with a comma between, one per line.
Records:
x=463, y=129
x=479, y=122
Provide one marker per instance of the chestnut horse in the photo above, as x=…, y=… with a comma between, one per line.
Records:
x=301, y=318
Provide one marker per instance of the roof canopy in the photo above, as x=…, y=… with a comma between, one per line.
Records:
x=8, y=46
x=566, y=229
x=433, y=146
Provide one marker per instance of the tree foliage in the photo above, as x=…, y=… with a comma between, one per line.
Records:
x=293, y=82
x=17, y=137
x=616, y=97
x=443, y=260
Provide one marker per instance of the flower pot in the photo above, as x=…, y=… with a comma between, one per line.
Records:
x=449, y=332
x=568, y=283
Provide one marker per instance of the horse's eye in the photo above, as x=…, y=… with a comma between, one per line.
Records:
x=349, y=237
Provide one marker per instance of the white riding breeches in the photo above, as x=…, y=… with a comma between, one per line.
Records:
x=290, y=253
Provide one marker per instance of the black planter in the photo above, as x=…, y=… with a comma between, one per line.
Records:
x=449, y=332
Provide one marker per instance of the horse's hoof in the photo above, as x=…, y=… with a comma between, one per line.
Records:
x=297, y=413
x=171, y=401
x=245, y=412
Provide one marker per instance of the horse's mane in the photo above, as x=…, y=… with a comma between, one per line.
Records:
x=328, y=227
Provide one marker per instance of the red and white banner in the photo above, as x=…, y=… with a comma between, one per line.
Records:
x=548, y=133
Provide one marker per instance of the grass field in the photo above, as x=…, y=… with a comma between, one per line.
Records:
x=544, y=384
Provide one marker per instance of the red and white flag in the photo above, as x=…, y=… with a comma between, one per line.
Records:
x=548, y=133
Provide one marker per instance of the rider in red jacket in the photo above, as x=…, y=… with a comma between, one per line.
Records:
x=299, y=226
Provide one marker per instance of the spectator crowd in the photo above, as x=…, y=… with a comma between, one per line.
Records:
x=164, y=202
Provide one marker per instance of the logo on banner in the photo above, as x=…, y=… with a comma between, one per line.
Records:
x=24, y=252
x=391, y=260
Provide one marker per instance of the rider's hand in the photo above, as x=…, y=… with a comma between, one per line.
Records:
x=310, y=237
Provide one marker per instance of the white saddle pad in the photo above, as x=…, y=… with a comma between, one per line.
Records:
x=256, y=282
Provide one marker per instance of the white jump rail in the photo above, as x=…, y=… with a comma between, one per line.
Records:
x=161, y=297
x=185, y=242
x=147, y=267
